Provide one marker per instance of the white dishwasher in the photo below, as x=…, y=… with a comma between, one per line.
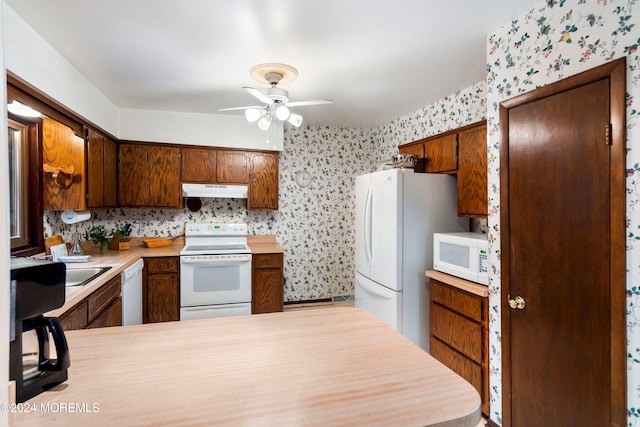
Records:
x=132, y=294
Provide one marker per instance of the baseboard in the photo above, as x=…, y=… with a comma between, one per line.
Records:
x=491, y=423
x=307, y=301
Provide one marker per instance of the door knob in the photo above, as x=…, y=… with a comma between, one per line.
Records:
x=517, y=302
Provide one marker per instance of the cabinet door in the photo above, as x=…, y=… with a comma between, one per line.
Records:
x=472, y=172
x=163, y=304
x=95, y=169
x=263, y=181
x=164, y=170
x=133, y=176
x=61, y=147
x=111, y=316
x=441, y=154
x=110, y=173
x=418, y=150
x=232, y=167
x=198, y=165
x=77, y=318
x=101, y=171
x=268, y=284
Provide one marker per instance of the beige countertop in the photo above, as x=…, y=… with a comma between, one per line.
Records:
x=465, y=285
x=119, y=260
x=333, y=366
x=264, y=245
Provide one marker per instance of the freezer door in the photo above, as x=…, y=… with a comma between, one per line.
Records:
x=386, y=226
x=383, y=303
x=363, y=224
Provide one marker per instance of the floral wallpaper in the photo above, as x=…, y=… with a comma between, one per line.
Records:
x=557, y=39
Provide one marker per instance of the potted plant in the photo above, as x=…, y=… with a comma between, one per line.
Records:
x=100, y=236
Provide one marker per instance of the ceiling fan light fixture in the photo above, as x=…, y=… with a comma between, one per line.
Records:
x=265, y=122
x=282, y=113
x=295, y=119
x=253, y=114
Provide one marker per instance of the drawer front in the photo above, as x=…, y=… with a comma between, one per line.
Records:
x=162, y=265
x=76, y=318
x=457, y=331
x=100, y=299
x=468, y=305
x=267, y=261
x=461, y=365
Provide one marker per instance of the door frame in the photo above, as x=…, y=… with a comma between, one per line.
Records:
x=615, y=71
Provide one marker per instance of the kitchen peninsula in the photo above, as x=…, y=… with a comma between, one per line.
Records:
x=334, y=366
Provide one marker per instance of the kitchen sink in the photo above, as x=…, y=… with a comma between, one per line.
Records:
x=82, y=276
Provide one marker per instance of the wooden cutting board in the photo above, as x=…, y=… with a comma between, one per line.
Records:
x=52, y=241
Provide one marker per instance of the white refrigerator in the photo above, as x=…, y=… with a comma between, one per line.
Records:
x=397, y=212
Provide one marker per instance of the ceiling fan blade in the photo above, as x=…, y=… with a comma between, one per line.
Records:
x=240, y=108
x=258, y=94
x=313, y=102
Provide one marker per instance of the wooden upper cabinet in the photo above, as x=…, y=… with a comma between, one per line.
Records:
x=263, y=181
x=472, y=172
x=61, y=147
x=441, y=154
x=198, y=165
x=164, y=167
x=133, y=175
x=232, y=167
x=101, y=171
x=149, y=176
x=418, y=150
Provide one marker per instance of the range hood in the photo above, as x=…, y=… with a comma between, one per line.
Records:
x=215, y=191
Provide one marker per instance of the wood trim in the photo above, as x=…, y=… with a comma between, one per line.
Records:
x=491, y=423
x=615, y=71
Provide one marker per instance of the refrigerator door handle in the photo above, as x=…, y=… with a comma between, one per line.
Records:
x=380, y=291
x=367, y=225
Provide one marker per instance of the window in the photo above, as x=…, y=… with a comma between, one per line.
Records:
x=18, y=189
x=24, y=182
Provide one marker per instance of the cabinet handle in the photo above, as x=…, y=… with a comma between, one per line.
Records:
x=517, y=302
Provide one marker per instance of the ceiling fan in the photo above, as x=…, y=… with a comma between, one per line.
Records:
x=275, y=100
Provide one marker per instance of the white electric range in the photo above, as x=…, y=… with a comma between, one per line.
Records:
x=215, y=271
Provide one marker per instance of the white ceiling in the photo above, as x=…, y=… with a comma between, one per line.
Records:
x=378, y=60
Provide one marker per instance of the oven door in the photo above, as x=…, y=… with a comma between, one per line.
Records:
x=211, y=279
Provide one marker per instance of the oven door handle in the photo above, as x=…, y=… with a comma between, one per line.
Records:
x=185, y=260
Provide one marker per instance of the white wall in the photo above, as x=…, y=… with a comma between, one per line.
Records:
x=4, y=237
x=33, y=60
x=215, y=130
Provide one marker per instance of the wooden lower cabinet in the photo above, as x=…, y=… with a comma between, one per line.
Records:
x=460, y=335
x=267, y=290
x=161, y=289
x=101, y=309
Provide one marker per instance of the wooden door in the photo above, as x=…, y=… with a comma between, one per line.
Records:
x=563, y=249
x=198, y=165
x=441, y=154
x=232, y=167
x=472, y=172
x=164, y=167
x=110, y=173
x=133, y=176
x=263, y=182
x=95, y=170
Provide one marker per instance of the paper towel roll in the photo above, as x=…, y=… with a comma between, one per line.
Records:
x=71, y=217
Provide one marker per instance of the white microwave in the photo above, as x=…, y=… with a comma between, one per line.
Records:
x=464, y=255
